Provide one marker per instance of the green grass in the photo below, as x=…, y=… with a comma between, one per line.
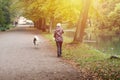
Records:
x=92, y=62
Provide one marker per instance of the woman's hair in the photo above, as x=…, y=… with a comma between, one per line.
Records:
x=58, y=24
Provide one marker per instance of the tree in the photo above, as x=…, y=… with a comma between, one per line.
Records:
x=4, y=13
x=2, y=19
x=51, y=12
x=114, y=18
x=82, y=22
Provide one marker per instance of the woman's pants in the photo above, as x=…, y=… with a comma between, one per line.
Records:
x=59, y=48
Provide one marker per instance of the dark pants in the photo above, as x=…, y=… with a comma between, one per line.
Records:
x=59, y=48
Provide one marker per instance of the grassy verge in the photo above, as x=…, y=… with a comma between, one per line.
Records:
x=93, y=63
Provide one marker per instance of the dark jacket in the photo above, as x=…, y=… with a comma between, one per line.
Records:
x=58, y=34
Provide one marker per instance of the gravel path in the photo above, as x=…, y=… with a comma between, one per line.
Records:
x=20, y=60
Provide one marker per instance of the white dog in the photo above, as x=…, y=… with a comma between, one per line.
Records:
x=36, y=40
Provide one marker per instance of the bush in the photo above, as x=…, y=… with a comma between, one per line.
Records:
x=2, y=29
x=5, y=27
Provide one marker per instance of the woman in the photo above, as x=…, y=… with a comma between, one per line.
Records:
x=59, y=39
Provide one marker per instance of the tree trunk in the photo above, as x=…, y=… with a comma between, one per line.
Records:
x=51, y=24
x=34, y=23
x=40, y=23
x=82, y=22
x=37, y=24
x=43, y=25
